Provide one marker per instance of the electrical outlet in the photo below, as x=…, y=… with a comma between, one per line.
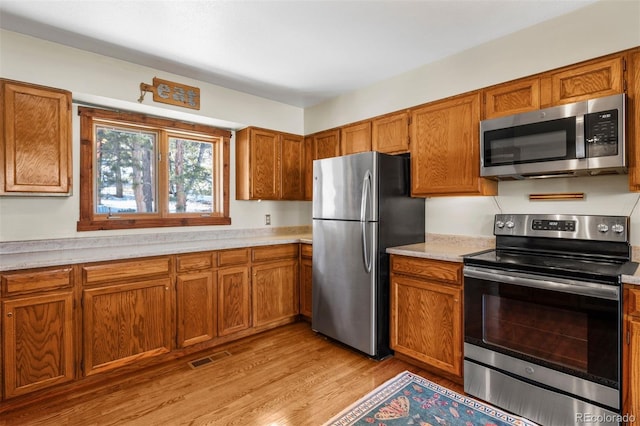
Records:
x=267, y=219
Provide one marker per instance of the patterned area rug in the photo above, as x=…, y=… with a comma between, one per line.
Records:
x=409, y=399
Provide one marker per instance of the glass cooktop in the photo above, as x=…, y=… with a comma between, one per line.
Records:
x=566, y=266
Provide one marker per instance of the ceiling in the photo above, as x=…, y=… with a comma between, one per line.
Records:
x=296, y=52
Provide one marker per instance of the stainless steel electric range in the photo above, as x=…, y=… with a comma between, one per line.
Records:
x=542, y=317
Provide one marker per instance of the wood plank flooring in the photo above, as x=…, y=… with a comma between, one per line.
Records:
x=286, y=377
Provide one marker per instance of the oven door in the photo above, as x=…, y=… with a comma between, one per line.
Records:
x=562, y=334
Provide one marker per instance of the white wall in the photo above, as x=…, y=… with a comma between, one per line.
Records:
x=604, y=27
x=112, y=83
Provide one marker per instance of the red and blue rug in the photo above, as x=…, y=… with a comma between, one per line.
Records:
x=409, y=399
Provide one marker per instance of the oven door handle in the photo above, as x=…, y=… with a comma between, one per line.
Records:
x=583, y=288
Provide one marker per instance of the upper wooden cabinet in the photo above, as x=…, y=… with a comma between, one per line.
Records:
x=511, y=98
x=390, y=133
x=326, y=144
x=356, y=138
x=633, y=119
x=445, y=148
x=308, y=168
x=35, y=144
x=269, y=165
x=587, y=80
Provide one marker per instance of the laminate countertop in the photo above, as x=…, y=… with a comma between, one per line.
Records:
x=42, y=253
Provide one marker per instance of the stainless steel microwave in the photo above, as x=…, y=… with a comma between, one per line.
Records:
x=582, y=138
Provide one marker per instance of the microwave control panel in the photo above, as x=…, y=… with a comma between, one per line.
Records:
x=601, y=133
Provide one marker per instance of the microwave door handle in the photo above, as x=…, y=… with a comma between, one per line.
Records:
x=580, y=145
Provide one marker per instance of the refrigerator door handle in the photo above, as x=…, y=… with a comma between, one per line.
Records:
x=366, y=196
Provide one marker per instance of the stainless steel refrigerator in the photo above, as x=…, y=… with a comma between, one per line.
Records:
x=361, y=206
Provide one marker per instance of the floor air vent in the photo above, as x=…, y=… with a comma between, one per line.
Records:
x=201, y=362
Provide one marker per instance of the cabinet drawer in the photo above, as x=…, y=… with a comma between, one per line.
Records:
x=196, y=261
x=116, y=271
x=29, y=282
x=633, y=301
x=434, y=269
x=284, y=251
x=233, y=257
x=306, y=250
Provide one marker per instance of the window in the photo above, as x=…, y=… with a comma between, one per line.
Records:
x=140, y=172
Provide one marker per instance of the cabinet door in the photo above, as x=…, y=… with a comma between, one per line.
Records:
x=445, y=148
x=125, y=323
x=265, y=166
x=594, y=79
x=38, y=342
x=426, y=322
x=356, y=138
x=308, y=168
x=512, y=98
x=306, y=267
x=35, y=144
x=633, y=119
x=275, y=295
x=632, y=406
x=326, y=144
x=292, y=167
x=196, y=305
x=390, y=134
x=233, y=300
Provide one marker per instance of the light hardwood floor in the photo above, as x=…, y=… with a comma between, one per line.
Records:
x=287, y=376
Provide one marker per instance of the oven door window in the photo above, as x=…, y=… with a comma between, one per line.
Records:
x=569, y=333
x=531, y=143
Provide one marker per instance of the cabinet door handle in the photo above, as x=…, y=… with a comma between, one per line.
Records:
x=9, y=314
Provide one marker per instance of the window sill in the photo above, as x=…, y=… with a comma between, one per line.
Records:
x=105, y=225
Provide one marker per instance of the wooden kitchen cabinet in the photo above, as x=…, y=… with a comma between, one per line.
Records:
x=587, y=80
x=269, y=165
x=234, y=293
x=274, y=285
x=38, y=334
x=390, y=133
x=196, y=298
x=513, y=97
x=633, y=118
x=127, y=312
x=35, y=144
x=308, y=168
x=631, y=354
x=355, y=138
x=445, y=148
x=326, y=144
x=426, y=313
x=38, y=342
x=306, y=280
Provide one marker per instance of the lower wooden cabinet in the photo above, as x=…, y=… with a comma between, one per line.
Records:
x=426, y=313
x=37, y=342
x=306, y=280
x=196, y=303
x=274, y=285
x=125, y=323
x=234, y=303
x=275, y=295
x=631, y=351
x=137, y=312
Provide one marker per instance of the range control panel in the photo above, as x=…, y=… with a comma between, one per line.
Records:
x=553, y=225
x=581, y=227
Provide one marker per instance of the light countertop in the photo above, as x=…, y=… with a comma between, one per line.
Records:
x=35, y=254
